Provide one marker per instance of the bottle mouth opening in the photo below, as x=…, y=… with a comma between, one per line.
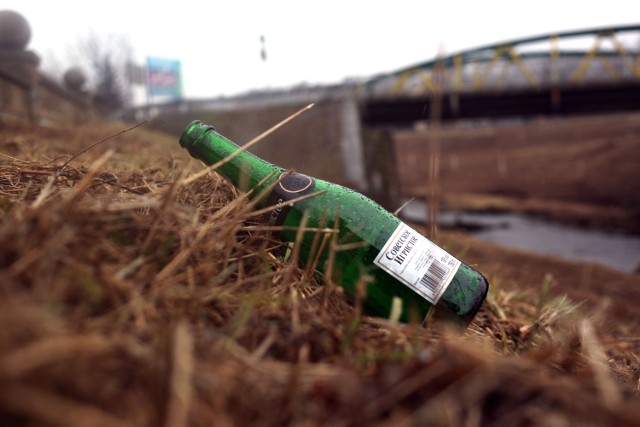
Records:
x=193, y=133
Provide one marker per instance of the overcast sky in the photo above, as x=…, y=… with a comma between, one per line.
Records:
x=218, y=42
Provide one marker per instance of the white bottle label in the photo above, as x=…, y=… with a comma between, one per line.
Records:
x=417, y=262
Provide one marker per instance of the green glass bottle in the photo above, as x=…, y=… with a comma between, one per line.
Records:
x=405, y=266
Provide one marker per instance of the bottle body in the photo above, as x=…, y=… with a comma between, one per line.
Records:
x=404, y=266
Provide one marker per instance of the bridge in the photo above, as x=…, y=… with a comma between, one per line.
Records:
x=592, y=70
x=587, y=71
x=350, y=135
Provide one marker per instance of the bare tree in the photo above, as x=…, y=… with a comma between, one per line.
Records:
x=106, y=58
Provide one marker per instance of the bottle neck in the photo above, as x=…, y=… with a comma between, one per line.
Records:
x=244, y=170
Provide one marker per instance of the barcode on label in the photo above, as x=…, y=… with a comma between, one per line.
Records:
x=434, y=276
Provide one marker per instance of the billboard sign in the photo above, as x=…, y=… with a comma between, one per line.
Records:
x=164, y=77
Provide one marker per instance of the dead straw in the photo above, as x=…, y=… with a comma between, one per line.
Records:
x=209, y=325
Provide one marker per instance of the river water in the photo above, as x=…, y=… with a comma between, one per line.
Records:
x=614, y=250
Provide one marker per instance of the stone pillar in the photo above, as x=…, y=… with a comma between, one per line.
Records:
x=18, y=66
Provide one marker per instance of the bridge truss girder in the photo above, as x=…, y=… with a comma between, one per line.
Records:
x=520, y=64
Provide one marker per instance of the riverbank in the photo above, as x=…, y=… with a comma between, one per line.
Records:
x=579, y=214
x=579, y=170
x=610, y=247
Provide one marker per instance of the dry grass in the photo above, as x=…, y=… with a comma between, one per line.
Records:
x=130, y=300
